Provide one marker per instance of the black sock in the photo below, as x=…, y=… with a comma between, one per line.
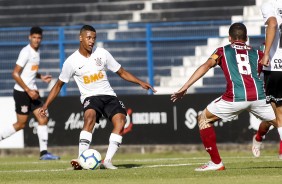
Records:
x=43, y=152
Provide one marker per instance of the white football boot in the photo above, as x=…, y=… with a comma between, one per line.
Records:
x=210, y=166
x=107, y=164
x=256, y=147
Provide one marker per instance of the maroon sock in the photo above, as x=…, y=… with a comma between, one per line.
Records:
x=209, y=140
x=263, y=129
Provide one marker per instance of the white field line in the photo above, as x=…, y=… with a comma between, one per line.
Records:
x=144, y=160
x=138, y=167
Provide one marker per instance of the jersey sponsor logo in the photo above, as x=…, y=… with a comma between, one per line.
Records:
x=240, y=47
x=277, y=64
x=34, y=67
x=93, y=78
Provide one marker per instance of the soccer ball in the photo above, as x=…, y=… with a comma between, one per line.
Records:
x=90, y=159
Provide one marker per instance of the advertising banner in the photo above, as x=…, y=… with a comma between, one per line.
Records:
x=151, y=119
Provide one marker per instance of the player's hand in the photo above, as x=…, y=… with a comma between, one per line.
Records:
x=265, y=60
x=42, y=111
x=33, y=94
x=178, y=95
x=46, y=78
x=147, y=86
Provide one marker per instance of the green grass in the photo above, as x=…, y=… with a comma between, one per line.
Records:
x=166, y=168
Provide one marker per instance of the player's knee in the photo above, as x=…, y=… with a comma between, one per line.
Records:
x=19, y=125
x=203, y=121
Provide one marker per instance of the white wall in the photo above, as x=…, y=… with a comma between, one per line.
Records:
x=8, y=116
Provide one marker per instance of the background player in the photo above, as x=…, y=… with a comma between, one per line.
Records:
x=244, y=90
x=26, y=95
x=272, y=61
x=88, y=67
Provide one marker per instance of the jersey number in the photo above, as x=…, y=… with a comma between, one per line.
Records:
x=243, y=64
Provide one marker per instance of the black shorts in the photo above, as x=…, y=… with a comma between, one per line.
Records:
x=24, y=104
x=105, y=105
x=273, y=86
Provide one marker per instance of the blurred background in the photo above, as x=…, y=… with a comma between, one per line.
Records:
x=159, y=41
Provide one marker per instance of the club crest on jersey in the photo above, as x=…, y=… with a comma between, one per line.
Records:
x=24, y=109
x=98, y=61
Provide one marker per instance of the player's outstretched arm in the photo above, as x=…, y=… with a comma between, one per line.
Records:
x=269, y=39
x=52, y=95
x=131, y=78
x=201, y=71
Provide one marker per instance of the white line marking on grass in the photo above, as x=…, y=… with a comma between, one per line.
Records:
x=36, y=170
x=165, y=165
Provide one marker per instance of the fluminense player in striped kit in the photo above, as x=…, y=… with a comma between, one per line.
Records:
x=272, y=61
x=244, y=90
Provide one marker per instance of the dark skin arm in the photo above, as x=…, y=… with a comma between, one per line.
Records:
x=131, y=78
x=200, y=72
x=52, y=95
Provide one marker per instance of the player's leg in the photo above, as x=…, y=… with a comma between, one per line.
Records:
x=115, y=111
x=208, y=136
x=263, y=111
x=22, y=106
x=42, y=133
x=85, y=137
x=278, y=113
x=13, y=128
x=115, y=139
x=258, y=137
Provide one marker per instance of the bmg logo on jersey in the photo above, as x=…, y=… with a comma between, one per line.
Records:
x=93, y=78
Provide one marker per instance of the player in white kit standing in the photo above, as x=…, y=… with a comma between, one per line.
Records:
x=26, y=95
x=272, y=61
x=88, y=67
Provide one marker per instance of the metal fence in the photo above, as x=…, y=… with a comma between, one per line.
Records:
x=148, y=50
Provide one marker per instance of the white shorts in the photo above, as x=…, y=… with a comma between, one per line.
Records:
x=230, y=110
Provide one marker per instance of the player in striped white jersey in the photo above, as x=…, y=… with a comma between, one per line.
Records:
x=272, y=61
x=244, y=90
x=88, y=67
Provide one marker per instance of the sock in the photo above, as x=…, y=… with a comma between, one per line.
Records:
x=280, y=148
x=209, y=140
x=280, y=134
x=262, y=131
x=7, y=132
x=114, y=143
x=42, y=133
x=85, y=139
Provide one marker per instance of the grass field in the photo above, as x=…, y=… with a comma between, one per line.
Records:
x=165, y=168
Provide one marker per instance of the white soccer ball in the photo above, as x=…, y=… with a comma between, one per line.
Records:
x=90, y=159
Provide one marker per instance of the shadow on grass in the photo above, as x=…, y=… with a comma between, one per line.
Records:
x=128, y=166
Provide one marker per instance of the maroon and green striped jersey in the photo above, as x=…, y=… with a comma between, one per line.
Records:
x=240, y=65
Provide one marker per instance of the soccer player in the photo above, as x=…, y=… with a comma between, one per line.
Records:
x=272, y=61
x=88, y=67
x=26, y=95
x=244, y=90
